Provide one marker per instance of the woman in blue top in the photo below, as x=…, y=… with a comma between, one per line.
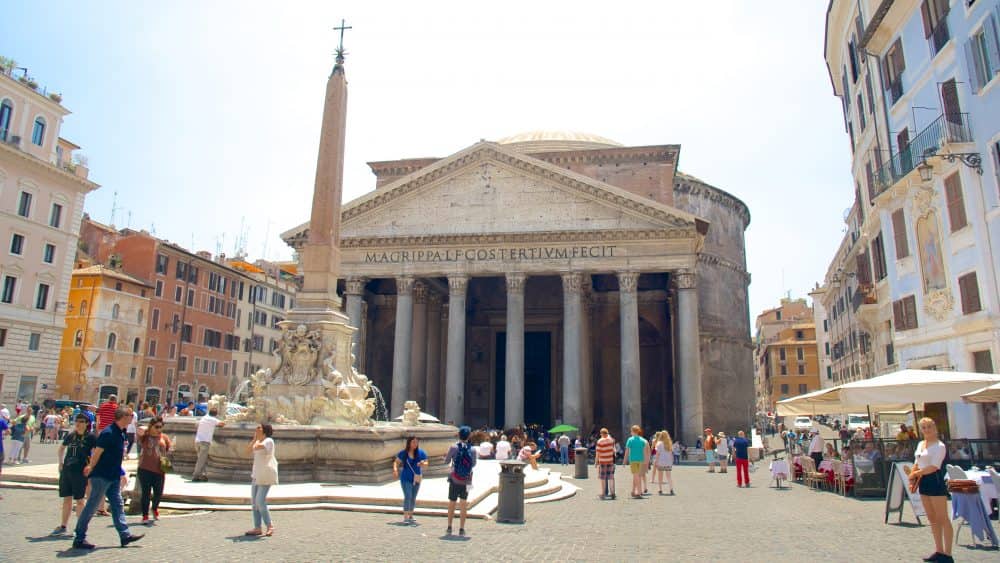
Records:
x=412, y=460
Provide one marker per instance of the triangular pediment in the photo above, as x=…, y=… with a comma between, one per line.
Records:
x=487, y=189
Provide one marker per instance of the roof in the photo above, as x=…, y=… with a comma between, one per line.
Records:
x=100, y=270
x=545, y=140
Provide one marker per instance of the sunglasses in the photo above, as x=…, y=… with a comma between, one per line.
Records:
x=158, y=426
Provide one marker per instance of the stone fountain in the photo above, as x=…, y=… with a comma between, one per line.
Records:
x=319, y=404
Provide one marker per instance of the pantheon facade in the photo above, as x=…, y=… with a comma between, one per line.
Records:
x=551, y=277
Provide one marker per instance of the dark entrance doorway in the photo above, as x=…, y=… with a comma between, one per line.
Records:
x=537, y=378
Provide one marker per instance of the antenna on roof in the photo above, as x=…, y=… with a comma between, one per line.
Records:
x=114, y=208
x=129, y=223
x=267, y=234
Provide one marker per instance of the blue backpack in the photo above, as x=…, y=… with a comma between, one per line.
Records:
x=463, y=462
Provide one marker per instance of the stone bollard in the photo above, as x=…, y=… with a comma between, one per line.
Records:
x=581, y=463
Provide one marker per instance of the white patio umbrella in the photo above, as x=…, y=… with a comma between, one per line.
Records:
x=989, y=394
x=810, y=403
x=912, y=386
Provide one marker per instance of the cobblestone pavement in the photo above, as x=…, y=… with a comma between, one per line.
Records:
x=709, y=517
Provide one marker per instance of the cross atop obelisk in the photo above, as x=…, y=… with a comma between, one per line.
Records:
x=340, y=48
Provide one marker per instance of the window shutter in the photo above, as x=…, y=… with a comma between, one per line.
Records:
x=910, y=311
x=968, y=286
x=971, y=60
x=925, y=11
x=870, y=179
x=864, y=269
x=899, y=234
x=952, y=107
x=899, y=60
x=992, y=44
x=956, y=203
x=897, y=315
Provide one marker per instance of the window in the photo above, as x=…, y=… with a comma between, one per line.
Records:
x=190, y=299
x=935, y=14
x=180, y=270
x=118, y=286
x=155, y=320
x=135, y=346
x=784, y=388
x=55, y=217
x=890, y=354
x=131, y=373
x=878, y=258
x=784, y=369
x=152, y=348
x=182, y=364
x=802, y=369
x=170, y=377
x=107, y=370
x=186, y=333
x=6, y=111
x=899, y=234
x=138, y=317
x=38, y=133
x=193, y=275
x=17, y=244
x=829, y=372
x=78, y=339
x=83, y=308
x=112, y=341
x=177, y=294
x=781, y=354
x=982, y=362
x=9, y=287
x=968, y=287
x=956, y=203
x=161, y=263
x=800, y=335
x=49, y=253
x=861, y=113
x=159, y=288
x=149, y=375
x=24, y=205
x=115, y=310
x=904, y=312
x=42, y=297
x=175, y=324
x=800, y=354
x=827, y=348
x=893, y=67
x=777, y=315
x=34, y=341
x=172, y=352
x=803, y=388
x=826, y=325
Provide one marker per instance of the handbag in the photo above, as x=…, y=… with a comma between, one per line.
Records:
x=417, y=477
x=166, y=465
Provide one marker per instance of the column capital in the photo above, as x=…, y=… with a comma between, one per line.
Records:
x=515, y=282
x=404, y=285
x=572, y=282
x=355, y=285
x=628, y=282
x=419, y=292
x=457, y=285
x=686, y=279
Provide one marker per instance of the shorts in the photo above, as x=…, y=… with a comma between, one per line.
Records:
x=72, y=484
x=635, y=467
x=456, y=491
x=710, y=456
x=664, y=467
x=605, y=471
x=932, y=486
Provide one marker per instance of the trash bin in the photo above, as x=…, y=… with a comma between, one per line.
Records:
x=581, y=463
x=510, y=505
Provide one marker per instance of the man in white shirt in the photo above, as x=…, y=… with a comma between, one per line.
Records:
x=5, y=412
x=816, y=447
x=203, y=439
x=485, y=449
x=563, y=443
x=503, y=449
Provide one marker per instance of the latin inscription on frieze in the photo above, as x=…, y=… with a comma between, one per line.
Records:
x=489, y=254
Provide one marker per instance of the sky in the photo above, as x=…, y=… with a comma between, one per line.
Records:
x=201, y=120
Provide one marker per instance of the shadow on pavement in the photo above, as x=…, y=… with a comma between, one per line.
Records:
x=245, y=538
x=49, y=537
x=450, y=537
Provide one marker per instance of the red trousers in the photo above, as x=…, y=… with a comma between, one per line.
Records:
x=742, y=471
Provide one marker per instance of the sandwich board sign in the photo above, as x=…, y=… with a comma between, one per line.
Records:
x=898, y=491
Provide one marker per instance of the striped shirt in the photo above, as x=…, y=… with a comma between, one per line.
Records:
x=106, y=413
x=605, y=452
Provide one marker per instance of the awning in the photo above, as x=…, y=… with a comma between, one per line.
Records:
x=989, y=394
x=894, y=391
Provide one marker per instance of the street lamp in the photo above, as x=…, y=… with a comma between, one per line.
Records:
x=926, y=171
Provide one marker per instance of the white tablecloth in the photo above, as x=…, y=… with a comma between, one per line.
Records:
x=779, y=467
x=987, y=489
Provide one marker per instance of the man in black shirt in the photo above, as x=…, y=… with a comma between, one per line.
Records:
x=74, y=455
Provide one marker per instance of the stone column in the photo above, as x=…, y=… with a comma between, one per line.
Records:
x=631, y=375
x=454, y=407
x=433, y=355
x=442, y=377
x=514, y=366
x=354, y=290
x=401, y=345
x=418, y=349
x=572, y=378
x=689, y=356
x=587, y=359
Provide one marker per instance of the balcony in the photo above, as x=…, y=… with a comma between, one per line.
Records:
x=950, y=128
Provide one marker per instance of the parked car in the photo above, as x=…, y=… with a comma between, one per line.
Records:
x=803, y=423
x=855, y=421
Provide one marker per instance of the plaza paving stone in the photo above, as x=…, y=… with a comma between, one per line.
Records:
x=708, y=518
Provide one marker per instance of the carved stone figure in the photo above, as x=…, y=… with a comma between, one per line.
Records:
x=298, y=353
x=411, y=413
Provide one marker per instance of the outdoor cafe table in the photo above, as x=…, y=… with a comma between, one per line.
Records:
x=987, y=489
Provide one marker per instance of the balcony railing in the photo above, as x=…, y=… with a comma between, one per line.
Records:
x=939, y=36
x=950, y=128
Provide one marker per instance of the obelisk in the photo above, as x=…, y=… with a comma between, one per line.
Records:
x=317, y=305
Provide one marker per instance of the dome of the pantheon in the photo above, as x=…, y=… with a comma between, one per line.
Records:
x=551, y=141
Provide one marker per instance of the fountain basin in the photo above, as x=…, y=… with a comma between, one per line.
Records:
x=311, y=454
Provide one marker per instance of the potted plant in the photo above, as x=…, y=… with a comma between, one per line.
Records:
x=57, y=98
x=31, y=83
x=6, y=64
